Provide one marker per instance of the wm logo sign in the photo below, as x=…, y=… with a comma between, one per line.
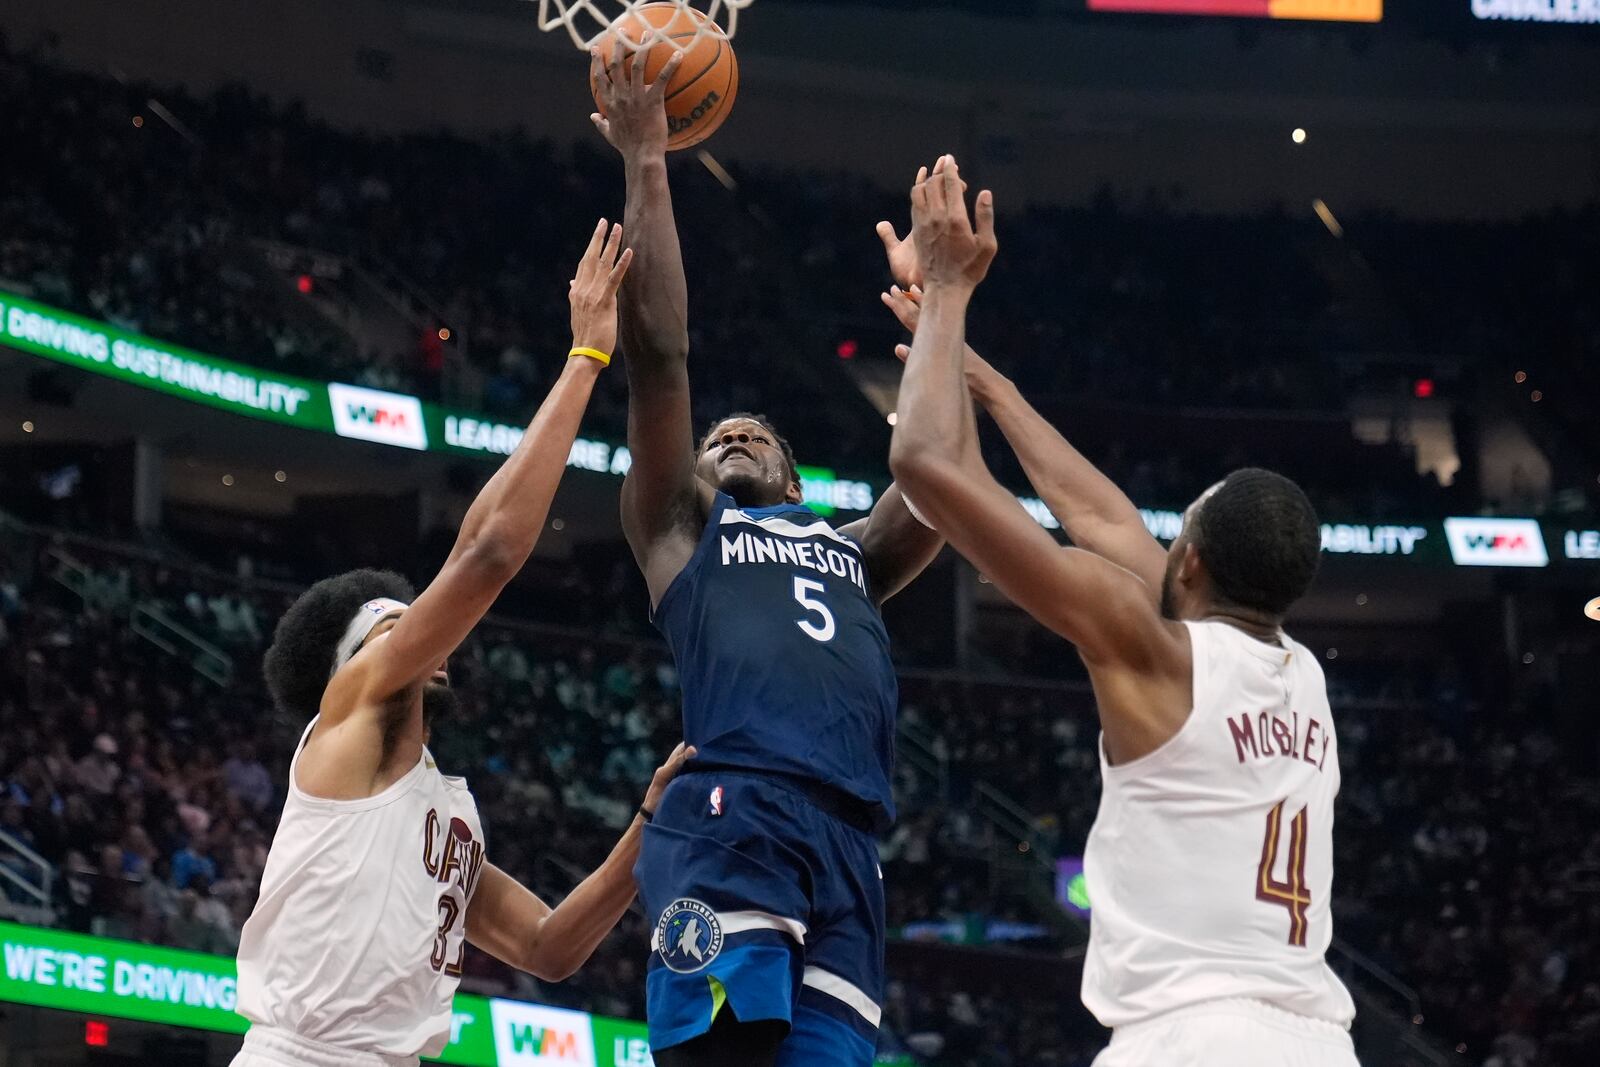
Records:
x=377, y=416
x=1496, y=542
x=532, y=1035
x=545, y=1043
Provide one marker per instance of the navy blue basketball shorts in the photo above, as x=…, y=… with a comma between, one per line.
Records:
x=767, y=906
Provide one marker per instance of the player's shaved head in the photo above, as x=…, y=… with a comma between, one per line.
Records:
x=300, y=661
x=1258, y=536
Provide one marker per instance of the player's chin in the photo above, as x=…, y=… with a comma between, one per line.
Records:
x=746, y=486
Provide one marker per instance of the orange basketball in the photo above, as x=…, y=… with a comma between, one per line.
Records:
x=701, y=94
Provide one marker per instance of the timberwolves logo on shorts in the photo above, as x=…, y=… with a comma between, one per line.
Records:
x=689, y=934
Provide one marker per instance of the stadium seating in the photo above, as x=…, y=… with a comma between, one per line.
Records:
x=155, y=790
x=1137, y=304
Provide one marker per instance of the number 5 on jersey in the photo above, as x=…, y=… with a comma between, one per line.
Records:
x=1292, y=892
x=818, y=631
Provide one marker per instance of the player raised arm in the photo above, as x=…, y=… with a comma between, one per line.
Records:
x=662, y=502
x=500, y=529
x=896, y=545
x=506, y=920
x=1096, y=514
x=1140, y=663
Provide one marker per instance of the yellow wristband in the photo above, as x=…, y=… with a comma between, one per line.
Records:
x=603, y=358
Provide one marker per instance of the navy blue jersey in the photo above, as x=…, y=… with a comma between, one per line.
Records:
x=782, y=654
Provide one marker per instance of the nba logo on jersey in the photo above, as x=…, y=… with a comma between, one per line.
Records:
x=689, y=936
x=716, y=801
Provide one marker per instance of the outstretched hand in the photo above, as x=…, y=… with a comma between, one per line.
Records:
x=907, y=307
x=633, y=114
x=904, y=266
x=953, y=251
x=593, y=290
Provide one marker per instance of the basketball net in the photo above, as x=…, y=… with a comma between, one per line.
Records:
x=586, y=21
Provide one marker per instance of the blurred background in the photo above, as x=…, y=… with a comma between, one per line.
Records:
x=281, y=280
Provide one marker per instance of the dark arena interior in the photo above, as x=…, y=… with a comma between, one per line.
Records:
x=282, y=282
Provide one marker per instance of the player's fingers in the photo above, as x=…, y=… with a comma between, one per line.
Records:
x=950, y=189
x=620, y=271
x=896, y=304
x=596, y=240
x=985, y=213
x=904, y=310
x=935, y=187
x=602, y=124
x=680, y=755
x=614, y=61
x=919, y=203
x=608, y=256
x=586, y=265
x=902, y=352
x=887, y=235
x=914, y=294
x=664, y=76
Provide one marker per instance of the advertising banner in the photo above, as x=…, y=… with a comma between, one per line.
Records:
x=125, y=980
x=1495, y=542
x=1320, y=10
x=402, y=421
x=1567, y=11
x=130, y=357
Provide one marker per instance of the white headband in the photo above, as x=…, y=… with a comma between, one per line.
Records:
x=371, y=614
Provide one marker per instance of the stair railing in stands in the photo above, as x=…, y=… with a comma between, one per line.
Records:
x=17, y=862
x=1392, y=1016
x=150, y=621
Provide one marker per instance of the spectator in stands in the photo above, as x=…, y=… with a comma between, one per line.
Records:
x=192, y=862
x=97, y=771
x=247, y=778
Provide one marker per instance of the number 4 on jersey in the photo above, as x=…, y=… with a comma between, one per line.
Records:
x=1292, y=893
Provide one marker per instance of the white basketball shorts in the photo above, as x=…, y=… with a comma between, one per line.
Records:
x=1229, y=1033
x=267, y=1047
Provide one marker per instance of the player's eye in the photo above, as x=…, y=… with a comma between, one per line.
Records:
x=762, y=440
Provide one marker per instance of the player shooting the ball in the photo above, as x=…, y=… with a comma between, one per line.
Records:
x=760, y=869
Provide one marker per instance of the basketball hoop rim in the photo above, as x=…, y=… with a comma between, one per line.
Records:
x=587, y=22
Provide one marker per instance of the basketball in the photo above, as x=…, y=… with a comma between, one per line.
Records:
x=701, y=93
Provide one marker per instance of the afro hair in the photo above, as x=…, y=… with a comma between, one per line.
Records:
x=299, y=663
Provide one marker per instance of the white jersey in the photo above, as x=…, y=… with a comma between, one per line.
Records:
x=1210, y=864
x=357, y=939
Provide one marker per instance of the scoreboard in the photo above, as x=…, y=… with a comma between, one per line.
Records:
x=1320, y=10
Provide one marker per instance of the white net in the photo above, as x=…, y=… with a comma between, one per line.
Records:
x=586, y=21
